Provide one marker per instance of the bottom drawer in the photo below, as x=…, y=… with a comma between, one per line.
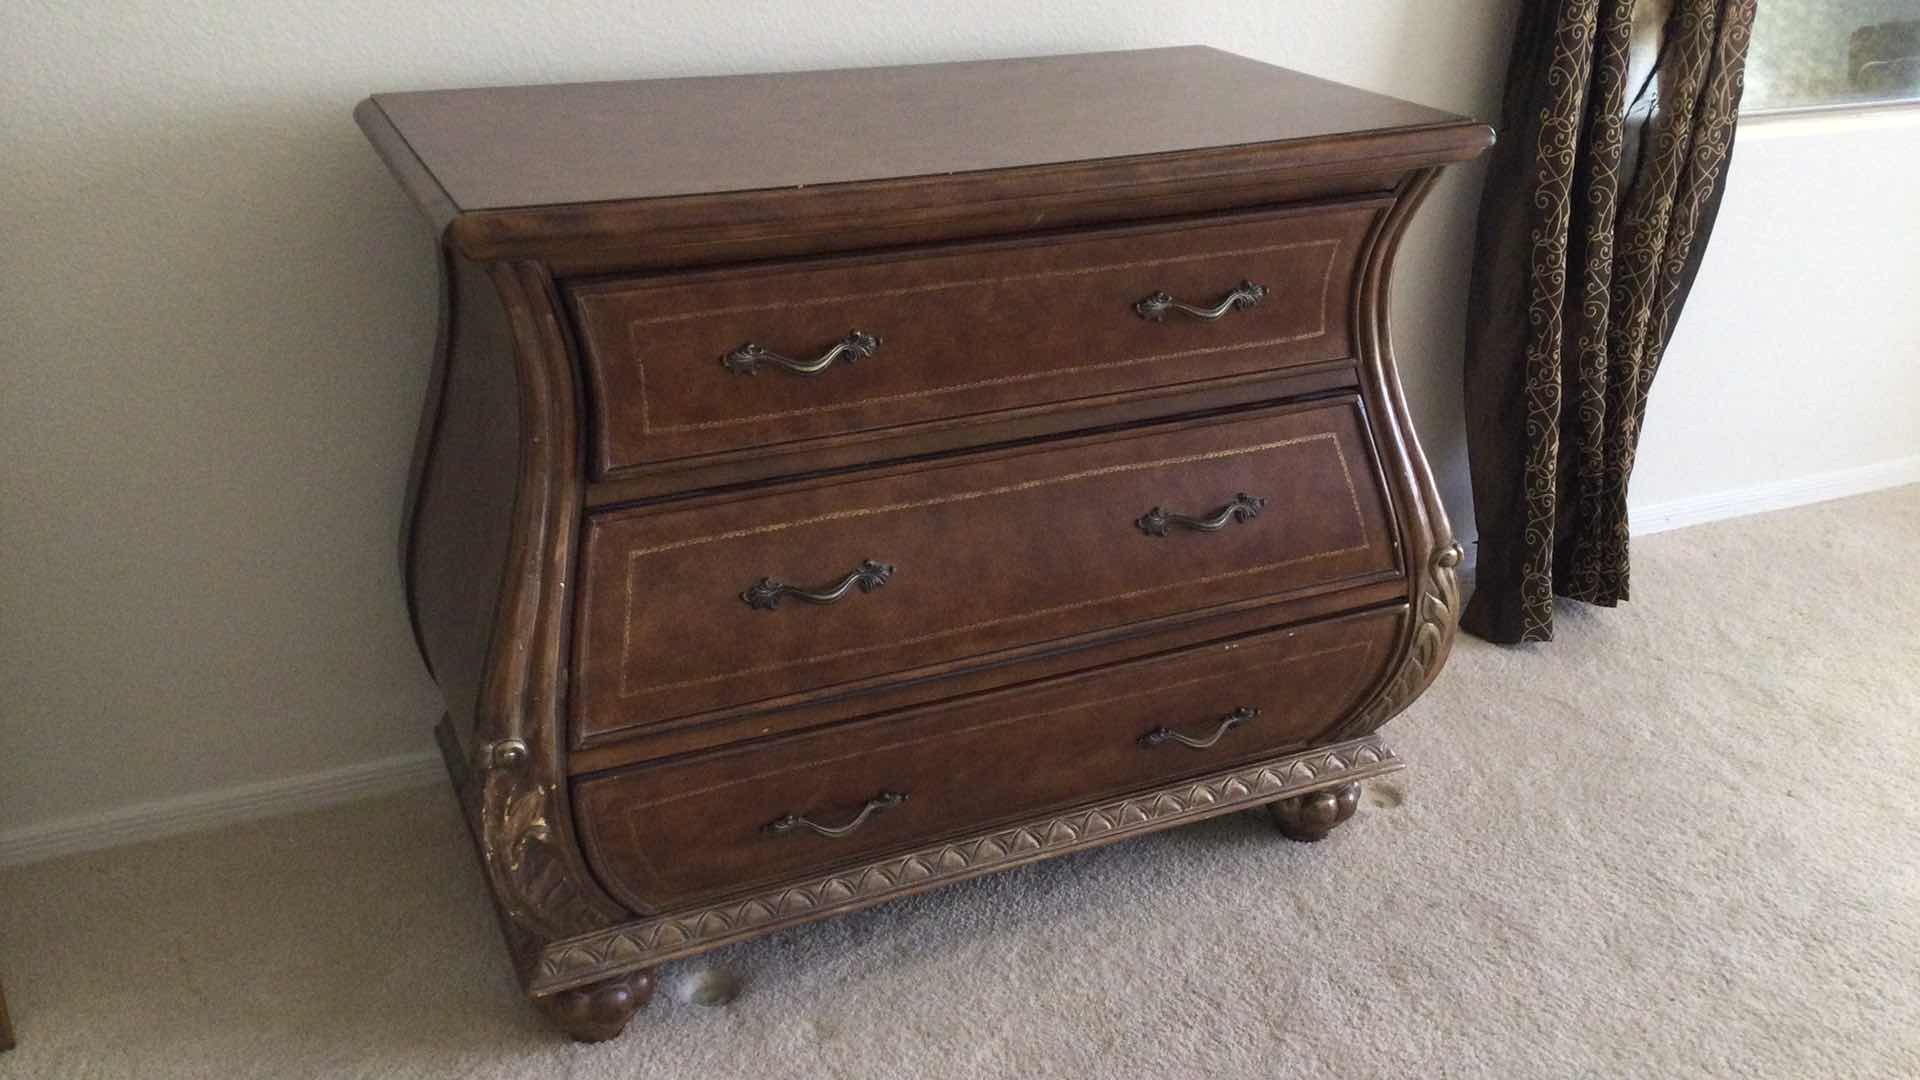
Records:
x=662, y=836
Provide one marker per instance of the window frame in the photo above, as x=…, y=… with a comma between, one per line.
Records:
x=1818, y=109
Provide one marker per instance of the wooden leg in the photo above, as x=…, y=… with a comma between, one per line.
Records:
x=6, y=1023
x=1312, y=816
x=598, y=1011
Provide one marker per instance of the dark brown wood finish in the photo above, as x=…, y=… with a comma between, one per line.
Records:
x=458, y=518
x=491, y=149
x=676, y=377
x=587, y=959
x=973, y=558
x=1067, y=140
x=600, y=1011
x=1309, y=818
x=943, y=437
x=962, y=677
x=651, y=585
x=700, y=828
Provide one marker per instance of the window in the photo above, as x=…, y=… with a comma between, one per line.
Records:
x=1813, y=53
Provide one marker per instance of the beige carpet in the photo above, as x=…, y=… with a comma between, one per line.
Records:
x=1683, y=840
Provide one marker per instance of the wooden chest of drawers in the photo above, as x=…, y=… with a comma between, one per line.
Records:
x=801, y=449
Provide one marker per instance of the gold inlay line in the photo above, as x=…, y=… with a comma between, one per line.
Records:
x=982, y=493
x=627, y=690
x=966, y=283
x=1158, y=688
x=637, y=350
x=647, y=426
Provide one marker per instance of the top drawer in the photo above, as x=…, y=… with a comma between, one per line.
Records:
x=710, y=363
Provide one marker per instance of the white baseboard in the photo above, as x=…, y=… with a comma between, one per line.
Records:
x=193, y=813
x=1759, y=499
x=1779, y=495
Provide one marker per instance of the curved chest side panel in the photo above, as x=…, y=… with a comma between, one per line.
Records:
x=459, y=524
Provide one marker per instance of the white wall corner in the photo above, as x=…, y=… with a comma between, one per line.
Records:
x=212, y=809
x=1776, y=495
x=1660, y=517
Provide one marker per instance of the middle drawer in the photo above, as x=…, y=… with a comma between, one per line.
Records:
x=767, y=600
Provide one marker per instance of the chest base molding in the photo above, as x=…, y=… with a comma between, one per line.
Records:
x=633, y=946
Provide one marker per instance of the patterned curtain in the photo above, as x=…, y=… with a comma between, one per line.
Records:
x=1598, y=206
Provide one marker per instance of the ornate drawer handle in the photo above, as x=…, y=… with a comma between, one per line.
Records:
x=787, y=823
x=1227, y=723
x=1244, y=295
x=746, y=359
x=1244, y=507
x=765, y=594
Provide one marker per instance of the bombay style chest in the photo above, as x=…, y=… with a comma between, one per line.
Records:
x=840, y=483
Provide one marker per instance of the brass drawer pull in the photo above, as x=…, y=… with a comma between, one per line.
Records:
x=1227, y=723
x=746, y=359
x=1244, y=507
x=765, y=594
x=787, y=823
x=1244, y=295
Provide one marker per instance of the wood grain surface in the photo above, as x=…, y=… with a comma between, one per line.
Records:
x=518, y=146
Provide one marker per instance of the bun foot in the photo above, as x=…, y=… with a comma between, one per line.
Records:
x=1312, y=816
x=598, y=1011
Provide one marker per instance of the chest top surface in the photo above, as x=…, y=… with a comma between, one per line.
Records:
x=533, y=146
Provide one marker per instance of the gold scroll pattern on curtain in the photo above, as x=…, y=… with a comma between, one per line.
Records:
x=1630, y=264
x=1662, y=225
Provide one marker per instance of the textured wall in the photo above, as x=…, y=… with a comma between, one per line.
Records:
x=217, y=310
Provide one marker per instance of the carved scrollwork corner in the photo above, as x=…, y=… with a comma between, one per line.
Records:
x=1436, y=616
x=531, y=874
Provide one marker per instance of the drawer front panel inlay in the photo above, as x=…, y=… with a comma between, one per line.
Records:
x=668, y=835
x=710, y=364
x=742, y=605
